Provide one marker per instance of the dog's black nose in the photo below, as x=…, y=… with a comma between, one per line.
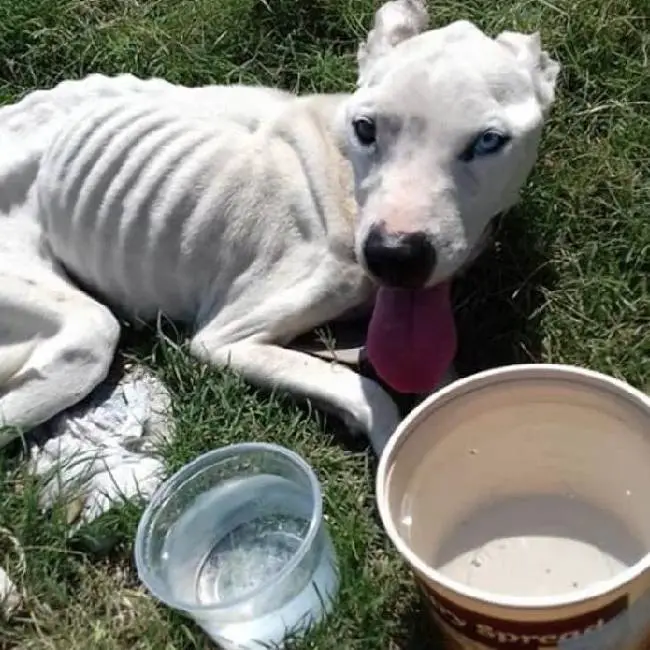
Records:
x=400, y=260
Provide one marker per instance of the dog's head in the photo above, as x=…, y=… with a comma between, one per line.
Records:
x=442, y=133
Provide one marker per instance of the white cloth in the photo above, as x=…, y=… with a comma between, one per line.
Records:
x=105, y=449
x=9, y=596
x=98, y=453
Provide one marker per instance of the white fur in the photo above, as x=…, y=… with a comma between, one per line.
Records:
x=234, y=209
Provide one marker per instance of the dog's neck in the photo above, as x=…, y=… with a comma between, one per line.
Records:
x=323, y=109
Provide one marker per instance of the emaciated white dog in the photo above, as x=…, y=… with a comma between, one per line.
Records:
x=256, y=215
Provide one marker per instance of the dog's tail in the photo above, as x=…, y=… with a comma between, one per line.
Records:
x=27, y=127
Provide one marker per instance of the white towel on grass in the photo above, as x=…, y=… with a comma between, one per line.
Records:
x=98, y=454
x=106, y=449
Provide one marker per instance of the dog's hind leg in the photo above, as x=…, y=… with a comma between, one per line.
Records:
x=56, y=346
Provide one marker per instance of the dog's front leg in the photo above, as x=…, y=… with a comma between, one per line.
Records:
x=362, y=404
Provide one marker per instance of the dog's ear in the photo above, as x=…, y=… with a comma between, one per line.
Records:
x=395, y=21
x=527, y=48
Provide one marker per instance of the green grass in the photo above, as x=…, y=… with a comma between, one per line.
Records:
x=567, y=281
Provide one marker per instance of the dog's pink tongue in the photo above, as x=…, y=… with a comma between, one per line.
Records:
x=412, y=337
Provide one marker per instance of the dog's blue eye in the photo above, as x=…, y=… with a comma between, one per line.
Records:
x=487, y=143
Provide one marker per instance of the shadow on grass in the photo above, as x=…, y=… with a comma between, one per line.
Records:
x=499, y=302
x=420, y=633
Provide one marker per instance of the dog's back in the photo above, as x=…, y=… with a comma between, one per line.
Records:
x=162, y=207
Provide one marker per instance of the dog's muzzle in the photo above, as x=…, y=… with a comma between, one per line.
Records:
x=399, y=260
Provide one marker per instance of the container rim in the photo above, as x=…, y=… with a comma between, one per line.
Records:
x=458, y=389
x=169, y=486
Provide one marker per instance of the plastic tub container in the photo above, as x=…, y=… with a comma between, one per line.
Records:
x=236, y=540
x=520, y=498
